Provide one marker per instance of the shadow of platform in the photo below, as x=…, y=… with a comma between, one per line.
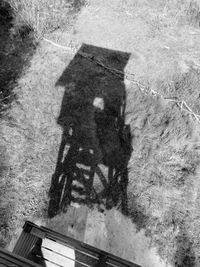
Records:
x=96, y=143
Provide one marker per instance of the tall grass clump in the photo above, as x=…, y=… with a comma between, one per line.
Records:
x=44, y=16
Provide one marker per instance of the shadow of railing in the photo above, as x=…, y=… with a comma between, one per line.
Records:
x=96, y=143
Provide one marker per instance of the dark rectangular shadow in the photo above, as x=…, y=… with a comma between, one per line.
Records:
x=95, y=135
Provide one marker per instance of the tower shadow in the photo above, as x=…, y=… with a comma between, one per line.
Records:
x=96, y=143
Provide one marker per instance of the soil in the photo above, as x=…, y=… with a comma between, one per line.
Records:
x=100, y=144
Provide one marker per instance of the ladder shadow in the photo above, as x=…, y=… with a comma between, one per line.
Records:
x=95, y=148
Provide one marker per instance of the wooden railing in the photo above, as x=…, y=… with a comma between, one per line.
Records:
x=51, y=249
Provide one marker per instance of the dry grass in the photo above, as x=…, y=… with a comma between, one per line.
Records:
x=165, y=175
x=45, y=16
x=164, y=168
x=180, y=11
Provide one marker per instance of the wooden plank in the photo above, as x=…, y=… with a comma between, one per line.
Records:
x=51, y=264
x=85, y=258
x=65, y=239
x=83, y=248
x=69, y=252
x=59, y=248
x=113, y=262
x=37, y=232
x=15, y=260
x=24, y=244
x=58, y=259
x=5, y=263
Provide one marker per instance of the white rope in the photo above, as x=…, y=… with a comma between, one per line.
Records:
x=60, y=46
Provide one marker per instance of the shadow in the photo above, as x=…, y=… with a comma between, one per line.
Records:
x=36, y=254
x=16, y=49
x=17, y=46
x=184, y=255
x=96, y=143
x=77, y=5
x=137, y=216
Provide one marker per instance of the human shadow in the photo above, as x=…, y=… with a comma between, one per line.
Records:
x=96, y=142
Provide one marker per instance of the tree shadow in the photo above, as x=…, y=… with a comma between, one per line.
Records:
x=96, y=142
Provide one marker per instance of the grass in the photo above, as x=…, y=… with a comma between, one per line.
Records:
x=181, y=11
x=15, y=52
x=185, y=11
x=164, y=168
x=23, y=24
x=45, y=16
